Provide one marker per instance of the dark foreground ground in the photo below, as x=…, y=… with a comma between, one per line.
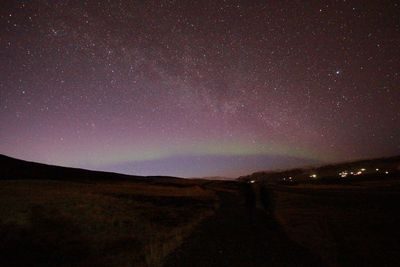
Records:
x=186, y=223
x=52, y=216
x=241, y=233
x=356, y=224
x=55, y=216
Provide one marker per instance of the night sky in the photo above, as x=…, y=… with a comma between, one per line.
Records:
x=199, y=88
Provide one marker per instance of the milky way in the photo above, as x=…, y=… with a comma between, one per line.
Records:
x=199, y=88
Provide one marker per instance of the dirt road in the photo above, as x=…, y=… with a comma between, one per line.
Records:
x=241, y=233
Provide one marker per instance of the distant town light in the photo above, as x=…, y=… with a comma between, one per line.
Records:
x=313, y=176
x=386, y=172
x=377, y=169
x=363, y=169
x=252, y=181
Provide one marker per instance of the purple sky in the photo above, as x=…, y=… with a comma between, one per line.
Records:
x=199, y=88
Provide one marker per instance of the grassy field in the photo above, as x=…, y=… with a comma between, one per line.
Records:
x=57, y=216
x=62, y=223
x=347, y=225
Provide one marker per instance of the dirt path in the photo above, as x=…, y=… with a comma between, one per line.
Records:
x=240, y=234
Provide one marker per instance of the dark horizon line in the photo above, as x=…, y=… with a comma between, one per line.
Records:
x=203, y=177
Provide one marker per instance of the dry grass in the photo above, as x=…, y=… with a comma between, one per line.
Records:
x=55, y=223
x=345, y=225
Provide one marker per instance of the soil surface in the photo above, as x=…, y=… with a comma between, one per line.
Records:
x=241, y=233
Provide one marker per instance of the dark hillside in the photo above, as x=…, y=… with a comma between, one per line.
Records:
x=11, y=168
